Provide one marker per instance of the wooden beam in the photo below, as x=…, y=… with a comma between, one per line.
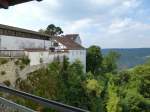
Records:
x=4, y=4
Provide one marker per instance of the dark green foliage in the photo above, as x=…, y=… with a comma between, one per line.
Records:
x=98, y=64
x=41, y=83
x=3, y=72
x=133, y=87
x=60, y=81
x=52, y=30
x=3, y=61
x=22, y=62
x=17, y=62
x=127, y=91
x=22, y=67
x=110, y=62
x=102, y=89
x=25, y=60
x=94, y=59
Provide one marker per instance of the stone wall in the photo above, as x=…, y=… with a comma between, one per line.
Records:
x=10, y=71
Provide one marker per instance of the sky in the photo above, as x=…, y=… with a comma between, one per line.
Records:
x=106, y=23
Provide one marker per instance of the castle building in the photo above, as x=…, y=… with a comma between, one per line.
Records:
x=40, y=48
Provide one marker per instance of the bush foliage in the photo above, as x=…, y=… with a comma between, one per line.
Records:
x=101, y=89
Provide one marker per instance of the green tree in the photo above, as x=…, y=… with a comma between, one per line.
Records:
x=41, y=31
x=73, y=90
x=110, y=62
x=113, y=102
x=126, y=91
x=133, y=89
x=53, y=30
x=94, y=89
x=94, y=59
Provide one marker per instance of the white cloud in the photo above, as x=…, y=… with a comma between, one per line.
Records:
x=127, y=25
x=125, y=6
x=52, y=3
x=104, y=2
x=108, y=23
x=119, y=25
x=77, y=26
x=131, y=3
x=32, y=15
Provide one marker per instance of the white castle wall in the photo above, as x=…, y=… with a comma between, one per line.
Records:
x=80, y=55
x=47, y=57
x=19, y=43
x=44, y=57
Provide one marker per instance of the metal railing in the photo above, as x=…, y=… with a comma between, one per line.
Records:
x=12, y=53
x=47, y=103
x=9, y=106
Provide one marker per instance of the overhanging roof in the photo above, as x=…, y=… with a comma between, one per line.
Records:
x=19, y=32
x=6, y=3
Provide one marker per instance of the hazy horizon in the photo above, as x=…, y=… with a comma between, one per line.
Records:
x=129, y=48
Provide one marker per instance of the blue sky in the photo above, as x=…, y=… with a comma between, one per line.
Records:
x=107, y=23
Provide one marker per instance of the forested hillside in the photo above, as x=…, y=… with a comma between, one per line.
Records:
x=130, y=57
x=101, y=89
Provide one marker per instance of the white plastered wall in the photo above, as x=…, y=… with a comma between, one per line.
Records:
x=19, y=43
x=80, y=55
x=45, y=56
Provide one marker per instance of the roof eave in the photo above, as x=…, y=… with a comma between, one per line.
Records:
x=5, y=3
x=19, y=32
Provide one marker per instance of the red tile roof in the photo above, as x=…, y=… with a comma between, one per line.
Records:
x=69, y=43
x=71, y=36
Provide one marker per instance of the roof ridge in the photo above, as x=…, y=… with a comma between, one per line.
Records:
x=69, y=43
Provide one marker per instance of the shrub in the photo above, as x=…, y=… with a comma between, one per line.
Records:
x=41, y=60
x=25, y=60
x=22, y=66
x=17, y=62
x=7, y=82
x=3, y=61
x=3, y=72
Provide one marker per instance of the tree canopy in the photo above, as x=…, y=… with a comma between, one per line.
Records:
x=52, y=30
x=94, y=59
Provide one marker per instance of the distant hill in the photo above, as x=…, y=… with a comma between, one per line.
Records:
x=130, y=57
